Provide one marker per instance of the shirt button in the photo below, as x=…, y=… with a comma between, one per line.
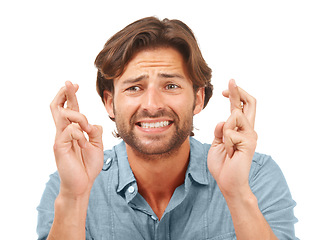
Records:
x=109, y=160
x=107, y=164
x=131, y=189
x=153, y=217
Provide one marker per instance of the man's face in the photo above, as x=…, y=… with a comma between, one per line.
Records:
x=154, y=102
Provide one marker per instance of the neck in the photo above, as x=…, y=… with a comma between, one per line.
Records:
x=158, y=176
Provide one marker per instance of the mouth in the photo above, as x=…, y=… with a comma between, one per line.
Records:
x=154, y=124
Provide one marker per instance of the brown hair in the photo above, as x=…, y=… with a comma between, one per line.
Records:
x=151, y=32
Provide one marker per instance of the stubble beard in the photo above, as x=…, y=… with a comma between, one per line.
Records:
x=155, y=146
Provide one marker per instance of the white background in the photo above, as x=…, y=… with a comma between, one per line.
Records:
x=276, y=50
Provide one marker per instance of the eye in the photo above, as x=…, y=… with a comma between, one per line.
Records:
x=172, y=86
x=133, y=89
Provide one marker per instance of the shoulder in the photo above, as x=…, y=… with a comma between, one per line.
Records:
x=263, y=166
x=269, y=185
x=264, y=170
x=275, y=201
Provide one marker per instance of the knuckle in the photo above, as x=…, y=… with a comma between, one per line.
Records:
x=254, y=144
x=71, y=128
x=57, y=145
x=52, y=106
x=253, y=100
x=237, y=112
x=62, y=116
x=83, y=117
x=256, y=136
x=225, y=128
x=80, y=118
x=62, y=111
x=227, y=132
x=100, y=129
x=73, y=116
x=252, y=139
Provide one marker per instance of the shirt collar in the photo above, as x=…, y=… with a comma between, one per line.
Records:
x=197, y=168
x=125, y=174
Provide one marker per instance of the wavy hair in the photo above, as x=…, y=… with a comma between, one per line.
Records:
x=150, y=33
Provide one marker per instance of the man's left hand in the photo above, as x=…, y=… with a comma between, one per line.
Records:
x=230, y=156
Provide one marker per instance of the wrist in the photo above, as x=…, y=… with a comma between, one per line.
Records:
x=73, y=204
x=70, y=217
x=76, y=193
x=247, y=218
x=241, y=197
x=71, y=210
x=68, y=199
x=242, y=207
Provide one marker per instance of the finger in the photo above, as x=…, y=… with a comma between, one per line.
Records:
x=234, y=96
x=59, y=101
x=71, y=96
x=71, y=133
x=249, y=104
x=95, y=136
x=226, y=93
x=234, y=141
x=67, y=116
x=238, y=121
x=218, y=133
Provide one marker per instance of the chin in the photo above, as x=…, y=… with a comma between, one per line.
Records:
x=154, y=147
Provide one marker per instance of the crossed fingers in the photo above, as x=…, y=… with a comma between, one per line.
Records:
x=241, y=100
x=237, y=133
x=65, y=116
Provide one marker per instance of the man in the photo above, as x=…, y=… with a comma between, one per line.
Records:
x=160, y=183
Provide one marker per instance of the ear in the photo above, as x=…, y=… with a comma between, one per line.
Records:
x=109, y=103
x=199, y=100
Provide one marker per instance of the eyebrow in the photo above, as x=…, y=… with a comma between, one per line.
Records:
x=145, y=76
x=134, y=80
x=169, y=75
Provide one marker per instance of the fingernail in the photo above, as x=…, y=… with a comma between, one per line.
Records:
x=67, y=83
x=234, y=82
x=76, y=86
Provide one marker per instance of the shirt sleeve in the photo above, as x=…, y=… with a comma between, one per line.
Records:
x=274, y=198
x=46, y=207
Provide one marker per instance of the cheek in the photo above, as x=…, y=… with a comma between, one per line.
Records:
x=182, y=106
x=125, y=107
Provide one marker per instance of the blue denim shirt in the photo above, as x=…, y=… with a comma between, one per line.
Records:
x=197, y=209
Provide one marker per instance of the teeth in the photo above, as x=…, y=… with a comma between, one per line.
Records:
x=155, y=124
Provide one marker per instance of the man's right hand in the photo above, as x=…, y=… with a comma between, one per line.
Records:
x=79, y=160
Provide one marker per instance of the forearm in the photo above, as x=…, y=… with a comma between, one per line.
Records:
x=248, y=220
x=69, y=220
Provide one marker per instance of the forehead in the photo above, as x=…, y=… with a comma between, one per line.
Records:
x=158, y=58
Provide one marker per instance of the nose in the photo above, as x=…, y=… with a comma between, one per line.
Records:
x=152, y=100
